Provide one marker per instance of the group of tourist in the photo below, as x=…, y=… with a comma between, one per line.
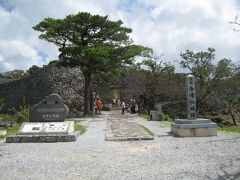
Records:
x=117, y=103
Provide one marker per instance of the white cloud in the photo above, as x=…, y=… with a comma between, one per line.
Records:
x=18, y=55
x=168, y=26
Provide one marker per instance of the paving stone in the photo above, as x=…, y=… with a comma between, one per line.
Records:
x=120, y=130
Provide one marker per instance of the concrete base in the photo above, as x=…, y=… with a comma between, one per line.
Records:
x=194, y=128
x=42, y=138
x=45, y=132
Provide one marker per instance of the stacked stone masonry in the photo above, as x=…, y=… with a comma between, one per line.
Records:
x=67, y=82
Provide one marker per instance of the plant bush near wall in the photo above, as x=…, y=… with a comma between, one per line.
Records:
x=21, y=115
x=105, y=108
x=164, y=117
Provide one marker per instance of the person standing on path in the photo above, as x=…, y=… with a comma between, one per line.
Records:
x=123, y=106
x=98, y=106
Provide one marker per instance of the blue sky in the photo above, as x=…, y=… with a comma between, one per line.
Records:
x=168, y=26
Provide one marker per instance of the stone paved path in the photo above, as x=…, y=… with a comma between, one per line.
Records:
x=120, y=129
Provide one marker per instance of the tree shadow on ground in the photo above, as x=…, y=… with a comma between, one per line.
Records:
x=170, y=133
x=224, y=174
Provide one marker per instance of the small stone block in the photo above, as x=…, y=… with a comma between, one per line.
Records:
x=195, y=121
x=3, y=132
x=194, y=126
x=199, y=132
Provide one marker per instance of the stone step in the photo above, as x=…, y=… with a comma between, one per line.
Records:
x=194, y=126
x=196, y=121
x=43, y=138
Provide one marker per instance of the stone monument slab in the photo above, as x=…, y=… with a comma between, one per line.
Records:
x=50, y=109
x=46, y=123
x=193, y=126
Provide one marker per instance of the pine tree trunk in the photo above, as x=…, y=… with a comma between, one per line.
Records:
x=233, y=117
x=87, y=76
x=91, y=99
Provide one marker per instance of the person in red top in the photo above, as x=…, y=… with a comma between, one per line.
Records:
x=98, y=106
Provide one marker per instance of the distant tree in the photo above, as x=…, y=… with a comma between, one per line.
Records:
x=93, y=42
x=235, y=22
x=34, y=69
x=12, y=76
x=156, y=65
x=148, y=80
x=229, y=91
x=208, y=75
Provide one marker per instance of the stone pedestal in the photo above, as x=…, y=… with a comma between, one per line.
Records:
x=194, y=128
x=46, y=123
x=45, y=132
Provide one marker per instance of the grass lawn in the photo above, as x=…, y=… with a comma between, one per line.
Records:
x=78, y=127
x=235, y=129
x=147, y=131
x=10, y=130
x=144, y=116
x=5, y=117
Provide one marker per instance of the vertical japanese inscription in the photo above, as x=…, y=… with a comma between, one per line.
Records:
x=191, y=98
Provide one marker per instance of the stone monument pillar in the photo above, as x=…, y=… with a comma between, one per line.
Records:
x=193, y=126
x=191, y=98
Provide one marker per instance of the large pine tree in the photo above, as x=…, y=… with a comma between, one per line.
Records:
x=93, y=42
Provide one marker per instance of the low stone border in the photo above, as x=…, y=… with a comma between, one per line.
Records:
x=43, y=138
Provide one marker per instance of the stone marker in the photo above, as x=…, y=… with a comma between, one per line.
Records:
x=154, y=115
x=191, y=98
x=46, y=123
x=50, y=109
x=193, y=126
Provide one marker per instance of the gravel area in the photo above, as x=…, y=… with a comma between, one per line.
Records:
x=91, y=157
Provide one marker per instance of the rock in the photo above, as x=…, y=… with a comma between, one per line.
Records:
x=3, y=132
x=50, y=109
x=7, y=125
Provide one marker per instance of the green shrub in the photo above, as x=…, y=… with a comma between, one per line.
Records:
x=78, y=127
x=164, y=117
x=235, y=129
x=23, y=114
x=144, y=116
x=5, y=117
x=105, y=108
x=10, y=130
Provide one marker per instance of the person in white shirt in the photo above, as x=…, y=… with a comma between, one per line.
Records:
x=123, y=106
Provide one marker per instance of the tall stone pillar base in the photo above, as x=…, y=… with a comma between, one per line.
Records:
x=194, y=128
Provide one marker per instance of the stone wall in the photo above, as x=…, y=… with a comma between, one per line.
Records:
x=67, y=82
